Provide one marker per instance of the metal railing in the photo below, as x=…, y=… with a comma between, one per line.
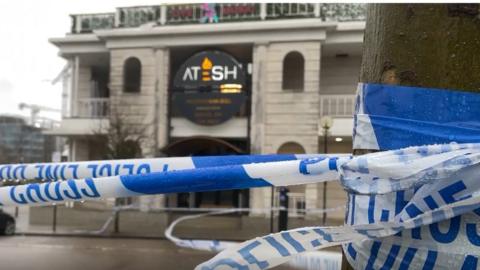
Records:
x=86, y=23
x=92, y=108
x=337, y=105
x=183, y=14
x=290, y=10
x=136, y=16
x=207, y=13
x=343, y=12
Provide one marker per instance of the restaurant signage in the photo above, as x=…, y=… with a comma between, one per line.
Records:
x=209, y=88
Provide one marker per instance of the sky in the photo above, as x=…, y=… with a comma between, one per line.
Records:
x=28, y=62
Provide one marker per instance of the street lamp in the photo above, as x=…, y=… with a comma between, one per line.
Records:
x=326, y=122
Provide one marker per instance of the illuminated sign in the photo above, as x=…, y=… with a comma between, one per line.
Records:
x=209, y=69
x=209, y=88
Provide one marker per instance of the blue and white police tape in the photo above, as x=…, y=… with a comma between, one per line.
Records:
x=222, y=177
x=396, y=224
x=448, y=174
x=392, y=117
x=317, y=260
x=104, y=168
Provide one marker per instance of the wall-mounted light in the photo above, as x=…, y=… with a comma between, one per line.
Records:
x=338, y=139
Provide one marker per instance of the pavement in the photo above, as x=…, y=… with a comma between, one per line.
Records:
x=92, y=253
x=37, y=247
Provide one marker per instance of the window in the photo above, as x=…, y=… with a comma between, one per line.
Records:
x=291, y=148
x=132, y=73
x=293, y=71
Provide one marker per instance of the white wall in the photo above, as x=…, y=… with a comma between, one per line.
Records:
x=340, y=75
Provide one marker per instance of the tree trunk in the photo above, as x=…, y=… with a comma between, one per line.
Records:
x=423, y=45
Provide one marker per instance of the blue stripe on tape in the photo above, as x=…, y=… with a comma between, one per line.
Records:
x=407, y=259
x=279, y=247
x=332, y=164
x=373, y=255
x=247, y=256
x=351, y=251
x=205, y=179
x=405, y=116
x=391, y=257
x=430, y=202
x=384, y=216
x=470, y=263
x=371, y=209
x=294, y=243
x=353, y=210
x=413, y=211
x=430, y=261
x=214, y=161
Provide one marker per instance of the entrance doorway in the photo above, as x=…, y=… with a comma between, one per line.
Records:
x=207, y=146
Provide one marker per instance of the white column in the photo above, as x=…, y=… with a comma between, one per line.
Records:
x=314, y=192
x=76, y=81
x=258, y=196
x=259, y=82
x=163, y=14
x=263, y=11
x=116, y=22
x=317, y=9
x=162, y=65
x=78, y=24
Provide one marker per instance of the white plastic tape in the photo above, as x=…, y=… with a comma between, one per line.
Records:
x=321, y=260
x=393, y=222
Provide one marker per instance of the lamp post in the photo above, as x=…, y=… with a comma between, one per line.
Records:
x=326, y=123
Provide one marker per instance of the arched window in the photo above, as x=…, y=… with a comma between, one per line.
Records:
x=132, y=74
x=291, y=148
x=294, y=148
x=293, y=71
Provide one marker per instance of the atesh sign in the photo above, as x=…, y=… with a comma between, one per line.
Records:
x=209, y=88
x=209, y=68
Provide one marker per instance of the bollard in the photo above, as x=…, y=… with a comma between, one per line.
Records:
x=283, y=213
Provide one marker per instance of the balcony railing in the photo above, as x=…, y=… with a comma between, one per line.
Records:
x=214, y=13
x=290, y=10
x=86, y=23
x=136, y=16
x=92, y=108
x=337, y=105
x=343, y=12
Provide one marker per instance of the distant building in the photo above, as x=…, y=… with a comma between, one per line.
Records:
x=20, y=142
x=217, y=79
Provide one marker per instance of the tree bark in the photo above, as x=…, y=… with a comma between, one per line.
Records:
x=423, y=45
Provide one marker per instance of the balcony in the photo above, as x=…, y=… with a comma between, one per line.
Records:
x=290, y=10
x=86, y=23
x=136, y=16
x=89, y=117
x=214, y=13
x=92, y=108
x=341, y=108
x=337, y=105
x=343, y=12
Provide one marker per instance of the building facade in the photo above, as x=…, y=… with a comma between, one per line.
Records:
x=23, y=143
x=156, y=68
